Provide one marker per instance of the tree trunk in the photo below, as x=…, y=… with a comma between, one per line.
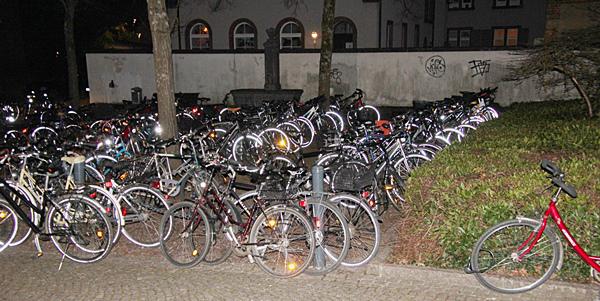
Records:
x=326, y=50
x=163, y=66
x=580, y=89
x=69, y=31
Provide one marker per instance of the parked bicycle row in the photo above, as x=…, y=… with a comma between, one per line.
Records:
x=234, y=183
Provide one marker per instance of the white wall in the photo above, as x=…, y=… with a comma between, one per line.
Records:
x=389, y=78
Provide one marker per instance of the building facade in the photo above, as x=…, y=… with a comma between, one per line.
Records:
x=472, y=24
x=242, y=24
x=489, y=23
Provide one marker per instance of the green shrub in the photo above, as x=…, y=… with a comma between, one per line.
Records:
x=494, y=175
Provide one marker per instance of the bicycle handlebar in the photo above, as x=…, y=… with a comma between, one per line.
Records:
x=557, y=176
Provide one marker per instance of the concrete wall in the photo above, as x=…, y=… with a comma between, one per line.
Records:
x=389, y=78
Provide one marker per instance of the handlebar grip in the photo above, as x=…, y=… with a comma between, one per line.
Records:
x=550, y=168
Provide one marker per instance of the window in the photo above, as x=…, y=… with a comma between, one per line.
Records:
x=417, y=35
x=460, y=4
x=404, y=35
x=291, y=34
x=507, y=3
x=243, y=35
x=506, y=37
x=344, y=33
x=459, y=37
x=389, y=34
x=199, y=36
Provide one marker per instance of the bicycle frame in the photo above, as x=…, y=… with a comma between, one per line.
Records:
x=553, y=213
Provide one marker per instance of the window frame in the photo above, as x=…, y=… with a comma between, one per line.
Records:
x=282, y=25
x=461, y=5
x=189, y=36
x=508, y=5
x=232, y=34
x=505, y=36
x=458, y=30
x=340, y=19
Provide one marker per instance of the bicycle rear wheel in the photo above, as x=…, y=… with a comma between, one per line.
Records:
x=498, y=262
x=283, y=241
x=365, y=233
x=142, y=209
x=184, y=235
x=332, y=237
x=8, y=225
x=79, y=229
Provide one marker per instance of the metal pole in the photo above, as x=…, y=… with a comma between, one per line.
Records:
x=317, y=186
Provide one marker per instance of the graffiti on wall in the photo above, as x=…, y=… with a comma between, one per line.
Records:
x=336, y=76
x=479, y=67
x=435, y=66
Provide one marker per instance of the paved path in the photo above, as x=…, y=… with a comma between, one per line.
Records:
x=145, y=275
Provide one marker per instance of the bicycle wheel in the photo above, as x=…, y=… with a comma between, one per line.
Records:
x=247, y=150
x=499, y=261
x=365, y=234
x=183, y=230
x=79, y=229
x=332, y=237
x=405, y=165
x=394, y=188
x=142, y=209
x=8, y=225
x=283, y=241
x=111, y=208
x=23, y=229
x=221, y=242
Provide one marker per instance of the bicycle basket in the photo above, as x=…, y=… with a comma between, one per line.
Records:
x=348, y=179
x=271, y=190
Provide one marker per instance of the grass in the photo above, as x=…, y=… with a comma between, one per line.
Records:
x=494, y=175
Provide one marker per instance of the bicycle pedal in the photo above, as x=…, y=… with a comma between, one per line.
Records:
x=39, y=254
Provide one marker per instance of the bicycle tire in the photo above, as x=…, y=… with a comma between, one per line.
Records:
x=23, y=231
x=87, y=231
x=482, y=255
x=141, y=204
x=331, y=229
x=364, y=229
x=8, y=225
x=185, y=226
x=270, y=235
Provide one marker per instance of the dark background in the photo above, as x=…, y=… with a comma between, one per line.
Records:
x=32, y=43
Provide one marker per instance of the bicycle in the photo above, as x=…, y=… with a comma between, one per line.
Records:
x=74, y=223
x=526, y=249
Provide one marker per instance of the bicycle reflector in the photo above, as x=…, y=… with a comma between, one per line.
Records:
x=272, y=223
x=388, y=187
x=195, y=253
x=212, y=135
x=302, y=203
x=372, y=203
x=155, y=184
x=108, y=184
x=3, y=214
x=100, y=234
x=93, y=195
x=292, y=266
x=317, y=222
x=123, y=211
x=281, y=143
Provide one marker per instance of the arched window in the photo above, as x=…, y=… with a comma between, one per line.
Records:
x=242, y=35
x=199, y=35
x=344, y=33
x=291, y=33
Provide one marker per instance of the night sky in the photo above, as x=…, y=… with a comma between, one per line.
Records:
x=32, y=44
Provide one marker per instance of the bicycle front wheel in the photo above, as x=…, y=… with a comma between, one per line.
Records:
x=79, y=229
x=500, y=262
x=184, y=235
x=283, y=241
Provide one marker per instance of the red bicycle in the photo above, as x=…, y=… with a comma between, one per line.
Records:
x=519, y=255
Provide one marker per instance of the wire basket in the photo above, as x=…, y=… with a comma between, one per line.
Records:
x=349, y=178
x=271, y=190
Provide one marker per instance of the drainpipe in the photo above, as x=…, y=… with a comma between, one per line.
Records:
x=178, y=26
x=379, y=28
